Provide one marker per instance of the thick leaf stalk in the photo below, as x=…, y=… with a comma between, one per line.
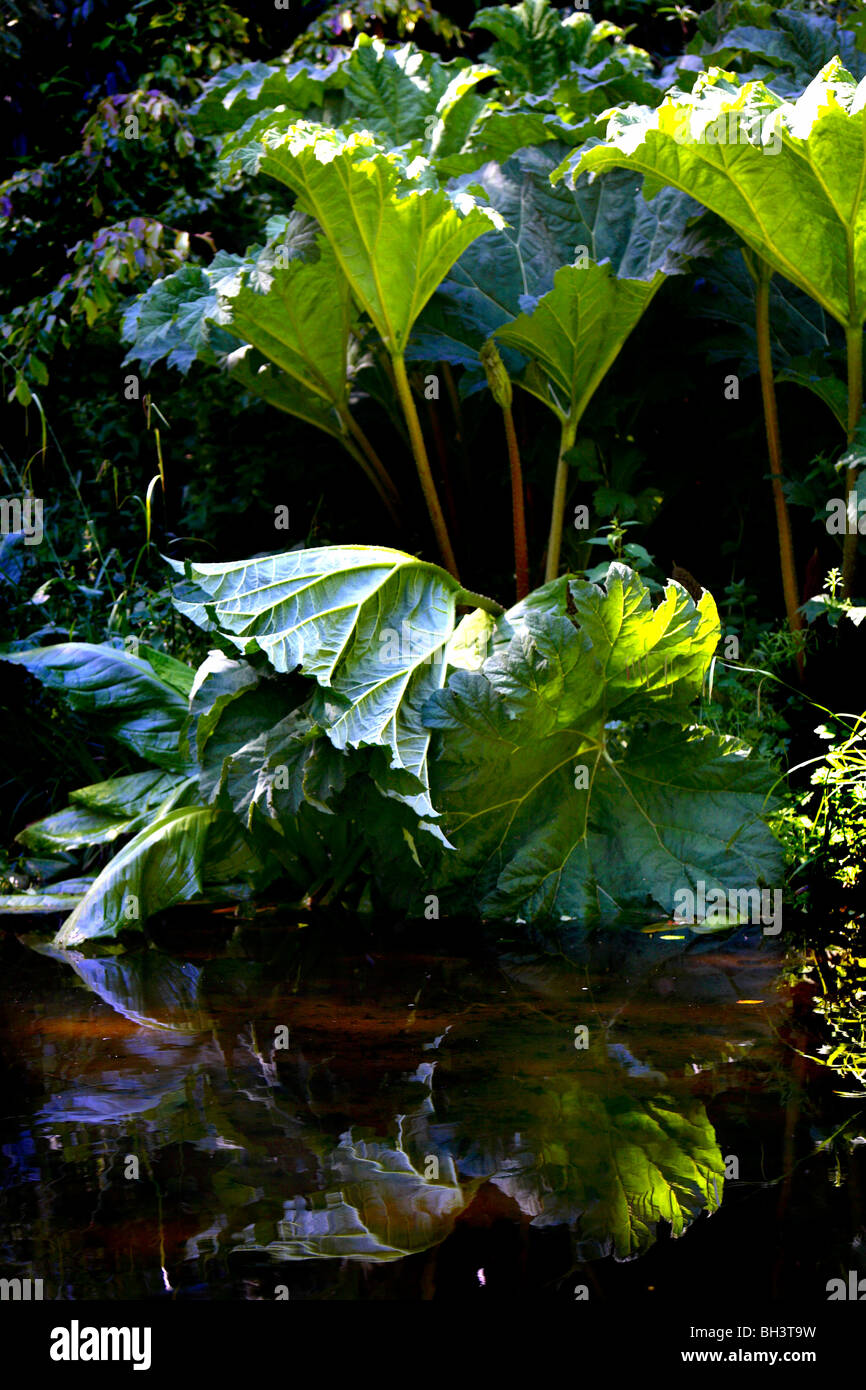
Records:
x=500, y=388
x=560, y=489
x=774, y=447
x=422, y=463
x=518, y=511
x=854, y=338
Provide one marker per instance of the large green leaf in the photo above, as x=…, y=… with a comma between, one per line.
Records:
x=498, y=132
x=55, y=897
x=369, y=624
x=298, y=316
x=726, y=296
x=243, y=89
x=168, y=862
x=232, y=704
x=788, y=177
x=179, y=319
x=510, y=269
x=280, y=769
x=106, y=810
x=575, y=333
x=404, y=95
x=570, y=780
x=535, y=43
x=625, y=76
x=484, y=289
x=287, y=300
x=624, y=247
x=133, y=704
x=394, y=240
x=795, y=43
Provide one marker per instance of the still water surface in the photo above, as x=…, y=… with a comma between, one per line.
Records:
x=332, y=1111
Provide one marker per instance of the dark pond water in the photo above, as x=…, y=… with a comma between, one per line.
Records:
x=332, y=1112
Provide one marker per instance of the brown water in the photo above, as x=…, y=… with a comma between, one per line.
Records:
x=328, y=1111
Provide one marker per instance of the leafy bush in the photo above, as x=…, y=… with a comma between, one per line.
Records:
x=383, y=223
x=559, y=775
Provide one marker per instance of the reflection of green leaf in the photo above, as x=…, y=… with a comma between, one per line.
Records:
x=611, y=1156
x=650, y=811
x=148, y=988
x=374, y=1204
x=593, y=1140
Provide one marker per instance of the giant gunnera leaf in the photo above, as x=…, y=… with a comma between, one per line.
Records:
x=393, y=238
x=371, y=625
x=573, y=783
x=788, y=177
x=604, y=248
x=535, y=43
x=168, y=862
x=286, y=300
x=138, y=701
x=623, y=248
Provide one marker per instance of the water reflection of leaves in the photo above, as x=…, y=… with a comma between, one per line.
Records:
x=147, y=987
x=605, y=1152
x=374, y=1204
x=324, y=1154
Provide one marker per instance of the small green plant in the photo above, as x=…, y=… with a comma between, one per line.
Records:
x=613, y=536
x=833, y=604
